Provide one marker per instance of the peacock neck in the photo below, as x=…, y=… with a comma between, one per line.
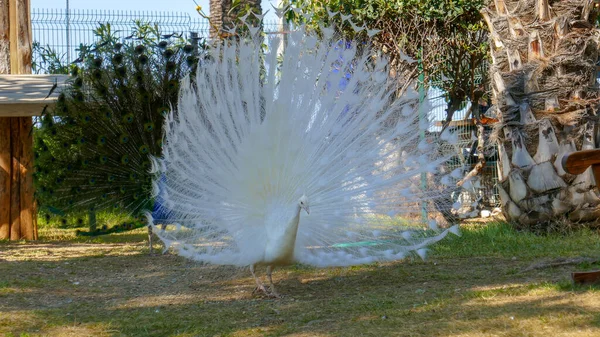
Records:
x=281, y=244
x=296, y=220
x=292, y=230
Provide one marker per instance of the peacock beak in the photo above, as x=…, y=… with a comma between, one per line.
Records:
x=307, y=209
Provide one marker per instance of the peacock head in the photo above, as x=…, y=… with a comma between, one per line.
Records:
x=303, y=203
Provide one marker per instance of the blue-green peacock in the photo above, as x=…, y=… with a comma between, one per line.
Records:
x=93, y=146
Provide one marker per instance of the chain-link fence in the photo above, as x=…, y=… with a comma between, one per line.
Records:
x=62, y=32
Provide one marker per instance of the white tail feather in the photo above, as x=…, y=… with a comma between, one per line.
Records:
x=252, y=135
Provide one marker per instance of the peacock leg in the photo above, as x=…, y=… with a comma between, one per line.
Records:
x=272, y=287
x=163, y=227
x=150, y=239
x=259, y=284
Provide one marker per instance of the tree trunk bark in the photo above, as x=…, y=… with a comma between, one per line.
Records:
x=224, y=17
x=544, y=93
x=18, y=216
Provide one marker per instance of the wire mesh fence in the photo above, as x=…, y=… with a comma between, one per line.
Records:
x=63, y=31
x=483, y=190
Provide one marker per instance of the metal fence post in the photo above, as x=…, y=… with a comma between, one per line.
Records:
x=422, y=116
x=68, y=31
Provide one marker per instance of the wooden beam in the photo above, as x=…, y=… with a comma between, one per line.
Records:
x=5, y=174
x=5, y=159
x=27, y=95
x=16, y=144
x=23, y=110
x=586, y=277
x=20, y=36
x=15, y=195
x=28, y=211
x=579, y=161
x=4, y=38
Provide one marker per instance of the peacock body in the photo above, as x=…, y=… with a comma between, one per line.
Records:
x=93, y=148
x=252, y=156
x=314, y=155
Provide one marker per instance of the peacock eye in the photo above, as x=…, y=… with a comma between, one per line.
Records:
x=143, y=59
x=188, y=48
x=97, y=62
x=128, y=118
x=171, y=66
x=118, y=58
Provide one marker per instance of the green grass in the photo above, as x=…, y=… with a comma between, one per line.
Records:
x=81, y=219
x=500, y=239
x=475, y=285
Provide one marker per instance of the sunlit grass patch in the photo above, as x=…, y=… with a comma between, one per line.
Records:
x=474, y=285
x=71, y=235
x=500, y=239
x=81, y=219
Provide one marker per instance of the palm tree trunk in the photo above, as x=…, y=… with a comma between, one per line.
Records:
x=225, y=13
x=545, y=95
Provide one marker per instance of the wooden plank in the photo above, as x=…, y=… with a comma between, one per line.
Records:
x=577, y=162
x=27, y=95
x=5, y=157
x=21, y=57
x=586, y=277
x=20, y=36
x=5, y=174
x=468, y=122
x=12, y=32
x=4, y=38
x=23, y=110
x=15, y=181
x=464, y=122
x=16, y=145
x=28, y=215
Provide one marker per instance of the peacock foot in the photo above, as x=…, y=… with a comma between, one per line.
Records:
x=273, y=293
x=269, y=293
x=260, y=289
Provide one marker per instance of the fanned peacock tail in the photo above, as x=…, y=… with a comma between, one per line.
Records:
x=93, y=147
x=257, y=131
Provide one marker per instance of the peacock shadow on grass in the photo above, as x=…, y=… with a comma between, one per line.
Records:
x=73, y=235
x=375, y=299
x=120, y=290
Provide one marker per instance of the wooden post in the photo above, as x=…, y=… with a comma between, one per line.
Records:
x=18, y=216
x=577, y=163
